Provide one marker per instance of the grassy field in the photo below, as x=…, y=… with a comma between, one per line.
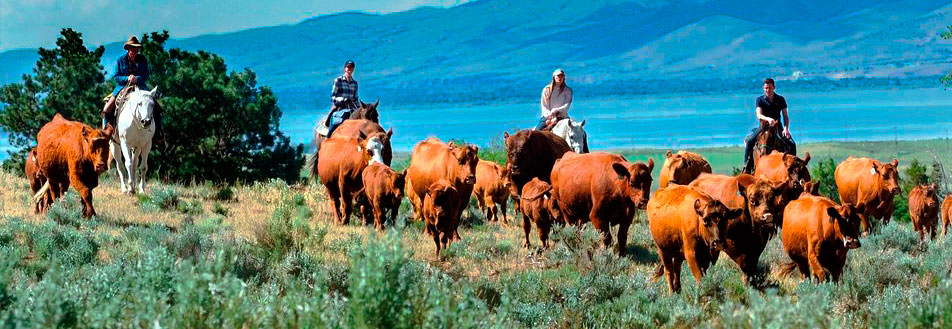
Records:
x=267, y=255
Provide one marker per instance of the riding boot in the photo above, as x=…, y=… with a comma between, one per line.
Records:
x=157, y=116
x=109, y=113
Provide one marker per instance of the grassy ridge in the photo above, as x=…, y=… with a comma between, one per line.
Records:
x=267, y=255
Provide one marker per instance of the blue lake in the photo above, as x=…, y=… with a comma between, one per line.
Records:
x=670, y=122
x=675, y=122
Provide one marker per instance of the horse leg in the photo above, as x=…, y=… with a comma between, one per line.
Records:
x=116, y=151
x=127, y=153
x=144, y=166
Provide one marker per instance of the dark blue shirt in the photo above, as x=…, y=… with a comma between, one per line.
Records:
x=771, y=109
x=125, y=67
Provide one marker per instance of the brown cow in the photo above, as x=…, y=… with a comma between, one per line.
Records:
x=530, y=154
x=539, y=207
x=817, y=234
x=342, y=163
x=946, y=213
x=32, y=171
x=71, y=153
x=383, y=189
x=682, y=168
x=433, y=160
x=440, y=213
x=782, y=167
x=870, y=182
x=687, y=224
x=492, y=187
x=601, y=187
x=747, y=235
x=924, y=210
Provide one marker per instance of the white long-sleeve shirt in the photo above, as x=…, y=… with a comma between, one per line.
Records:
x=559, y=103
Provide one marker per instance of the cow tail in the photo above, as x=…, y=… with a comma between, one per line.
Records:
x=312, y=165
x=787, y=268
x=658, y=272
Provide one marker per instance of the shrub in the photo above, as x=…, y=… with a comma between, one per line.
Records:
x=823, y=173
x=287, y=229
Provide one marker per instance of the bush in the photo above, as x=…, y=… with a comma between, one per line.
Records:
x=288, y=229
x=823, y=173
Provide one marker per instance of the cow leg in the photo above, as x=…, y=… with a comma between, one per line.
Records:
x=481, y=203
x=672, y=267
x=602, y=224
x=144, y=166
x=346, y=203
x=436, y=238
x=333, y=196
x=945, y=223
x=502, y=209
x=85, y=194
x=493, y=211
x=622, y=244
x=813, y=256
x=864, y=224
x=691, y=256
x=526, y=228
x=378, y=214
x=544, y=224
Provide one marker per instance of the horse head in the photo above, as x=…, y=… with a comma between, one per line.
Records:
x=368, y=112
x=573, y=133
x=143, y=103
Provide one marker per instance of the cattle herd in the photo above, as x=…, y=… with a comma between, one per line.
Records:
x=692, y=217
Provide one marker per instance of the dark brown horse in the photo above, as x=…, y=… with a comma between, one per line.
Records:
x=769, y=139
x=363, y=121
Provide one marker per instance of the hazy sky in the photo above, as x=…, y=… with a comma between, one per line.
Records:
x=36, y=23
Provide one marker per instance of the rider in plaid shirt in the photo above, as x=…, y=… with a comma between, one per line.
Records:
x=343, y=96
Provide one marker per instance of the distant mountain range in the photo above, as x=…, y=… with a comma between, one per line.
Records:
x=507, y=47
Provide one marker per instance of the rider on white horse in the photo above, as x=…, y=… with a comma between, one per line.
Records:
x=556, y=100
x=132, y=69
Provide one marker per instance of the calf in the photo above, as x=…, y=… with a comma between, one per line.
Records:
x=924, y=210
x=492, y=187
x=439, y=211
x=747, y=235
x=687, y=224
x=870, y=182
x=682, y=168
x=383, y=189
x=817, y=234
x=601, y=187
x=433, y=160
x=70, y=153
x=946, y=213
x=538, y=206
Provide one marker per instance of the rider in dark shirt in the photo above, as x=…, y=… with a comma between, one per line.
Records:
x=770, y=107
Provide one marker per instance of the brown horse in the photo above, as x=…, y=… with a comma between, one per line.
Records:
x=770, y=139
x=364, y=121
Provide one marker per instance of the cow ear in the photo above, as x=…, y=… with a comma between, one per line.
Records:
x=475, y=148
x=814, y=187
x=620, y=170
x=806, y=158
x=860, y=208
x=895, y=163
x=389, y=132
x=744, y=181
x=779, y=187
x=650, y=165
x=505, y=134
x=668, y=154
x=834, y=215
x=451, y=144
x=86, y=132
x=734, y=212
x=789, y=160
x=698, y=207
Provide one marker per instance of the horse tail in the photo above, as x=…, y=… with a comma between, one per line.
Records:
x=312, y=165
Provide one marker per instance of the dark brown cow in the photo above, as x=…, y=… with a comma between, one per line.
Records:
x=492, y=187
x=32, y=171
x=817, y=234
x=924, y=210
x=601, y=187
x=70, y=153
x=440, y=213
x=946, y=213
x=687, y=224
x=782, y=167
x=747, y=235
x=538, y=207
x=343, y=162
x=433, y=160
x=682, y=168
x=383, y=189
x=870, y=182
x=530, y=154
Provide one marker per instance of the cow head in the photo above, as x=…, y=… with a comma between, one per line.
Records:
x=679, y=167
x=96, y=148
x=374, y=144
x=930, y=196
x=444, y=198
x=398, y=183
x=712, y=221
x=889, y=173
x=638, y=176
x=798, y=171
x=467, y=158
x=846, y=220
x=761, y=196
x=811, y=188
x=515, y=143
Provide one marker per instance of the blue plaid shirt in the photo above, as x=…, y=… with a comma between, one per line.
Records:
x=344, y=92
x=124, y=67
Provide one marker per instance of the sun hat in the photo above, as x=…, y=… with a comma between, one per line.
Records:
x=349, y=63
x=132, y=42
x=558, y=72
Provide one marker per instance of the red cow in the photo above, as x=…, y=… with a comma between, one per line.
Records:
x=601, y=187
x=539, y=207
x=870, y=182
x=817, y=234
x=70, y=153
x=439, y=211
x=682, y=168
x=492, y=187
x=340, y=169
x=946, y=213
x=924, y=210
x=383, y=188
x=433, y=160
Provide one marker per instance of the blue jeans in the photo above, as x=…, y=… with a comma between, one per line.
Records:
x=541, y=124
x=338, y=118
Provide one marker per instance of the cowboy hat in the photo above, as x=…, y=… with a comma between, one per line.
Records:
x=132, y=42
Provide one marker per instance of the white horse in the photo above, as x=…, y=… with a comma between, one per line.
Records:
x=135, y=130
x=573, y=134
